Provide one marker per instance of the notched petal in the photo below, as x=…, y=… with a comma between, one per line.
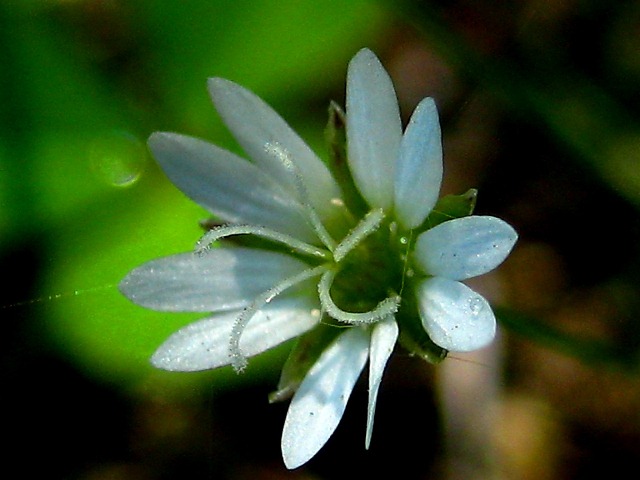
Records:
x=255, y=125
x=419, y=169
x=218, y=280
x=230, y=187
x=455, y=317
x=465, y=247
x=204, y=345
x=374, y=129
x=318, y=405
x=383, y=340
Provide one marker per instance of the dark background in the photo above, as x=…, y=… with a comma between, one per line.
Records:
x=539, y=103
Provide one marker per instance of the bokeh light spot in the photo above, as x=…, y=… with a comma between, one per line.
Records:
x=118, y=158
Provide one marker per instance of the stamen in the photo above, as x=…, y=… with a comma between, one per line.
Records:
x=238, y=360
x=223, y=231
x=274, y=148
x=388, y=306
x=366, y=227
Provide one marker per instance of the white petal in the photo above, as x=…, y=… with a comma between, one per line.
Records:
x=383, y=339
x=318, y=405
x=220, y=279
x=465, y=247
x=455, y=317
x=228, y=186
x=419, y=169
x=374, y=129
x=255, y=125
x=204, y=344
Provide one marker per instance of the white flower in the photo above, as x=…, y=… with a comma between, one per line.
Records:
x=315, y=260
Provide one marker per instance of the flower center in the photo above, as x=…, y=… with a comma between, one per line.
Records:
x=371, y=271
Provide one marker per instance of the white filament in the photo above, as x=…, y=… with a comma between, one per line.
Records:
x=299, y=246
x=274, y=148
x=238, y=359
x=388, y=306
x=366, y=227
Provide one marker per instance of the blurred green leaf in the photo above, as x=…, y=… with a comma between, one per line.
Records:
x=55, y=111
x=273, y=48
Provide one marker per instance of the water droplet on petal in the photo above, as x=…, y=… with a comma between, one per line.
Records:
x=475, y=305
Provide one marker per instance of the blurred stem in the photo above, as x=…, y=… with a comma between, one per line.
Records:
x=468, y=391
x=588, y=350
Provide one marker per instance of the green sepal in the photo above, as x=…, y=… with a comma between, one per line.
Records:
x=422, y=346
x=452, y=206
x=413, y=337
x=336, y=137
x=427, y=350
x=304, y=354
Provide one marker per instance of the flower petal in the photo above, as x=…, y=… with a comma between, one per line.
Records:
x=374, y=129
x=255, y=125
x=204, y=345
x=465, y=247
x=383, y=339
x=455, y=317
x=221, y=279
x=419, y=169
x=318, y=405
x=228, y=186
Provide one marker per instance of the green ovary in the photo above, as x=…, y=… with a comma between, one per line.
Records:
x=372, y=271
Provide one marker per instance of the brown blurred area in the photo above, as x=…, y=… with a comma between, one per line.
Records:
x=557, y=416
